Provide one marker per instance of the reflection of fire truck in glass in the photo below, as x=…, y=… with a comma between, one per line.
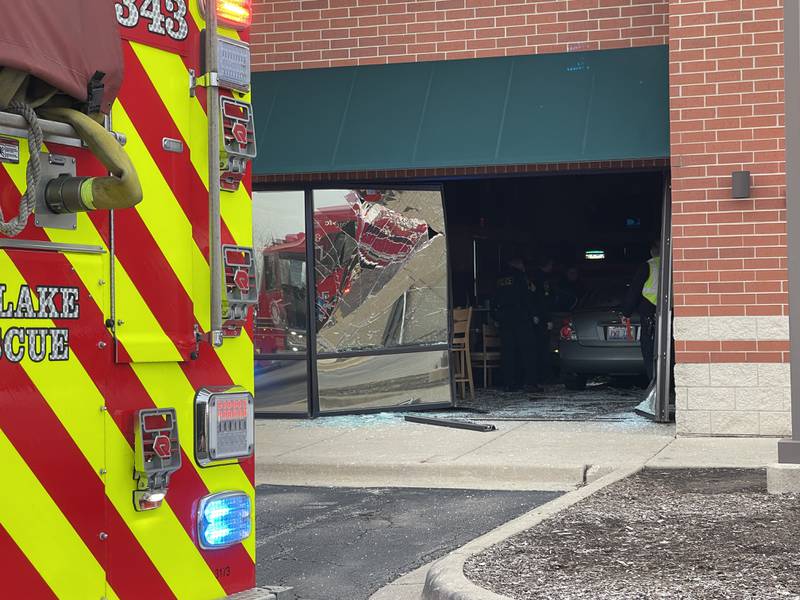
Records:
x=363, y=233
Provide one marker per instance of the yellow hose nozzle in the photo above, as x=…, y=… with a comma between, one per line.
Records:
x=121, y=189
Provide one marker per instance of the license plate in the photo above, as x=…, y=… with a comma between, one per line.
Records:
x=619, y=333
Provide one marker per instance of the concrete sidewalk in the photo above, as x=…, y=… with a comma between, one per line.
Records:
x=381, y=450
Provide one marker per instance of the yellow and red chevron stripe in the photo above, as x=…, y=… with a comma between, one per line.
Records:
x=71, y=531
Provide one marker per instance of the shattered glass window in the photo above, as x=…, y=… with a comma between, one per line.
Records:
x=381, y=269
x=279, y=239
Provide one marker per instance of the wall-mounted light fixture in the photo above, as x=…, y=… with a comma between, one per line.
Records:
x=740, y=182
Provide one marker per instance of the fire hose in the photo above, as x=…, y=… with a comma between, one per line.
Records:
x=121, y=189
x=66, y=194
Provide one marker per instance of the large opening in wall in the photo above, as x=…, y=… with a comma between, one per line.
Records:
x=587, y=244
x=394, y=266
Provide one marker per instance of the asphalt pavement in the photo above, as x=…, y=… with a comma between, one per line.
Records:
x=346, y=543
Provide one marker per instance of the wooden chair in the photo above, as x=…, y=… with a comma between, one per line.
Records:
x=490, y=357
x=459, y=347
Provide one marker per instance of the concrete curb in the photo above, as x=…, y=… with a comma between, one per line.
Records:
x=446, y=579
x=432, y=474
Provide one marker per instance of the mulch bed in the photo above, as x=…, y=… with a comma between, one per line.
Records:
x=695, y=533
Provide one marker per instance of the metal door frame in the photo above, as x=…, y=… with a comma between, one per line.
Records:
x=664, y=350
x=789, y=448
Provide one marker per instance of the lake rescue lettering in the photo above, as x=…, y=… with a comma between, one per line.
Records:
x=38, y=343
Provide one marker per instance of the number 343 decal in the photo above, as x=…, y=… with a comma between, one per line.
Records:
x=172, y=24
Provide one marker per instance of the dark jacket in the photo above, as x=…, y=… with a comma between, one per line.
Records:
x=513, y=292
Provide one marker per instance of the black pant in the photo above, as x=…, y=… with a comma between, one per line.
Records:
x=648, y=343
x=544, y=365
x=518, y=349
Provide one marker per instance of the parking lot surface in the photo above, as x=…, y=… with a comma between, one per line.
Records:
x=346, y=543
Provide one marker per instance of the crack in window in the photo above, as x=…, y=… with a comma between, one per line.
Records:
x=381, y=269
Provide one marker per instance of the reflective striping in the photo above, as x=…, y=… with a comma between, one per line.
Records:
x=156, y=345
x=58, y=381
x=154, y=124
x=157, y=285
x=152, y=66
x=77, y=490
x=167, y=386
x=24, y=580
x=136, y=575
x=159, y=532
x=69, y=379
x=150, y=554
x=194, y=274
x=159, y=207
x=111, y=595
x=237, y=357
x=38, y=528
x=59, y=466
x=125, y=394
x=236, y=206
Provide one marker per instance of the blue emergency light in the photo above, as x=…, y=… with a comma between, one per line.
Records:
x=223, y=519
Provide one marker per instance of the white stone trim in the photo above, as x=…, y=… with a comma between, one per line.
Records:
x=714, y=329
x=750, y=399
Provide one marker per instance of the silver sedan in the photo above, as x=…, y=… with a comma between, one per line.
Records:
x=596, y=340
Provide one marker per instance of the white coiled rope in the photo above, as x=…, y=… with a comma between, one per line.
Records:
x=14, y=226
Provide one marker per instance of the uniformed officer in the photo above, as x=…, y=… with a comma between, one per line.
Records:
x=545, y=295
x=643, y=298
x=516, y=314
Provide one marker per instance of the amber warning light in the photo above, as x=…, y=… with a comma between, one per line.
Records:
x=236, y=13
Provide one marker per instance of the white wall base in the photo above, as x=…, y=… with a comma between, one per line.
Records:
x=783, y=479
x=726, y=399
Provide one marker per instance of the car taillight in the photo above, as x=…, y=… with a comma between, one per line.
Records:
x=568, y=333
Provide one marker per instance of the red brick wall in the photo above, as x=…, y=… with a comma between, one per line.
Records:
x=726, y=100
x=294, y=34
x=726, y=82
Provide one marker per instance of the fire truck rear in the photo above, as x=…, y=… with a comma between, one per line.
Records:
x=127, y=280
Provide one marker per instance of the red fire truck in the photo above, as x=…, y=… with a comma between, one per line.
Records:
x=126, y=282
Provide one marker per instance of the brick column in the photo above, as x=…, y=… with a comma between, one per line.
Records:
x=730, y=258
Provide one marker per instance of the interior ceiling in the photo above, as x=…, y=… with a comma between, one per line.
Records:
x=560, y=216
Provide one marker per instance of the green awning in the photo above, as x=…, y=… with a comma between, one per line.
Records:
x=578, y=106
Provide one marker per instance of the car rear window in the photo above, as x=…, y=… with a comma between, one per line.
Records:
x=607, y=297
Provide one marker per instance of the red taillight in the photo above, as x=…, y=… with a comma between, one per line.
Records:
x=237, y=14
x=568, y=333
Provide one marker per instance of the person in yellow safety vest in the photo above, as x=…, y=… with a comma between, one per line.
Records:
x=642, y=298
